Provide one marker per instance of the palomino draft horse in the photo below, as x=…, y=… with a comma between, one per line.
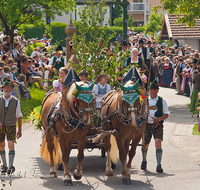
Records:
x=65, y=120
x=125, y=112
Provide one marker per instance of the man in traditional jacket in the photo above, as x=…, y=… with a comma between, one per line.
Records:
x=10, y=112
x=58, y=60
x=158, y=112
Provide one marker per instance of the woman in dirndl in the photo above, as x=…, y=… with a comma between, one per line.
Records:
x=167, y=74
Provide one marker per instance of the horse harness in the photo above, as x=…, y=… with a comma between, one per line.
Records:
x=123, y=118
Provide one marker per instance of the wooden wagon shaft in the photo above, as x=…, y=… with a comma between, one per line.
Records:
x=102, y=135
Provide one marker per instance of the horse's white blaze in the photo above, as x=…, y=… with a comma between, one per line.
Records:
x=133, y=117
x=67, y=177
x=52, y=169
x=46, y=74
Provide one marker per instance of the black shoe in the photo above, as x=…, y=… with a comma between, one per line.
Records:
x=4, y=169
x=11, y=170
x=159, y=169
x=144, y=165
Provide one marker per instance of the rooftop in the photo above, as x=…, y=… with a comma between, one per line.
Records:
x=171, y=30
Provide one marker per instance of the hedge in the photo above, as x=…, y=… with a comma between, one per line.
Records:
x=58, y=31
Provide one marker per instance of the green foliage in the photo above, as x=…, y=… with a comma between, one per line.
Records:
x=119, y=22
x=116, y=12
x=27, y=106
x=30, y=48
x=91, y=43
x=189, y=8
x=31, y=31
x=195, y=129
x=15, y=13
x=155, y=22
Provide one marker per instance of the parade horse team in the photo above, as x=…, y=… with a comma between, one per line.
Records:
x=67, y=116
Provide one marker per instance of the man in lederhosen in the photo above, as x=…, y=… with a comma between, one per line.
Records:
x=158, y=112
x=10, y=112
x=58, y=60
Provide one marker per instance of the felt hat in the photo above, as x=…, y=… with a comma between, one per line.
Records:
x=141, y=41
x=59, y=48
x=149, y=42
x=8, y=82
x=154, y=85
x=14, y=67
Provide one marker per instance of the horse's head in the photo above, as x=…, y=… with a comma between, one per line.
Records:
x=81, y=95
x=50, y=72
x=131, y=102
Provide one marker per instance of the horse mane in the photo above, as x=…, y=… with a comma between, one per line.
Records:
x=69, y=95
x=129, y=83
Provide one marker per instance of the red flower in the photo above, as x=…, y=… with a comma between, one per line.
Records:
x=158, y=84
x=75, y=99
x=143, y=96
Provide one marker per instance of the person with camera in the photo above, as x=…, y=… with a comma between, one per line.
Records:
x=158, y=112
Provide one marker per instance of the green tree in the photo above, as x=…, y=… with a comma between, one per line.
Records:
x=92, y=54
x=155, y=21
x=119, y=22
x=116, y=12
x=14, y=13
x=189, y=8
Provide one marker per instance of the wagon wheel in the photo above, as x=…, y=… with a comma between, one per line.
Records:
x=59, y=166
x=103, y=153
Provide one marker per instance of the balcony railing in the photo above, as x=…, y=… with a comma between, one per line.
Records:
x=139, y=7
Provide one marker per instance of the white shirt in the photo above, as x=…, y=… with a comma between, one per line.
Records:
x=148, y=53
x=18, y=109
x=140, y=50
x=152, y=102
x=4, y=75
x=34, y=53
x=96, y=90
x=58, y=59
x=41, y=63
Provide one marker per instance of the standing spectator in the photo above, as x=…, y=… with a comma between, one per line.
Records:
x=178, y=76
x=196, y=90
x=119, y=39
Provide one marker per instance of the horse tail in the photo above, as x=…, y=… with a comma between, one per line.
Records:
x=114, y=152
x=57, y=154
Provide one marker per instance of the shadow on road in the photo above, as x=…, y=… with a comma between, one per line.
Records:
x=180, y=114
x=93, y=175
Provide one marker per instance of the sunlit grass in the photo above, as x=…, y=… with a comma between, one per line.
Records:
x=27, y=106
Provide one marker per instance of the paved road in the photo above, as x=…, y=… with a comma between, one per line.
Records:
x=181, y=158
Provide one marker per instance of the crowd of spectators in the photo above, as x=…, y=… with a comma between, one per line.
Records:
x=172, y=66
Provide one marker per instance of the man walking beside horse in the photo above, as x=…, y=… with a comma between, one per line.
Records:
x=10, y=112
x=158, y=112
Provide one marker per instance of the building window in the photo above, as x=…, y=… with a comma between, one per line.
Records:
x=138, y=6
x=140, y=24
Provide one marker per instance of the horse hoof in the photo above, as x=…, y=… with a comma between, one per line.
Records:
x=126, y=181
x=68, y=182
x=109, y=173
x=54, y=174
x=77, y=177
